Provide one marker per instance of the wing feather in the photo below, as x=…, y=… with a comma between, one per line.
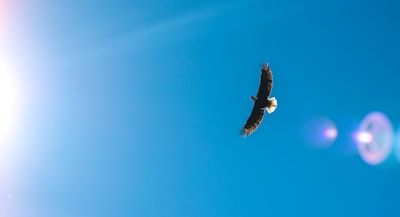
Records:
x=256, y=116
x=266, y=82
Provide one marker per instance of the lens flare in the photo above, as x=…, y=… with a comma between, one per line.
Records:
x=374, y=138
x=330, y=133
x=364, y=137
x=320, y=132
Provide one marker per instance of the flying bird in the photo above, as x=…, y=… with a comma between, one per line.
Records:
x=262, y=102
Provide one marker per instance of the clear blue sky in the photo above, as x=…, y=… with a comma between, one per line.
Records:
x=133, y=108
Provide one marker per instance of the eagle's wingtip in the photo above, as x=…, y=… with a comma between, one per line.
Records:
x=265, y=66
x=243, y=133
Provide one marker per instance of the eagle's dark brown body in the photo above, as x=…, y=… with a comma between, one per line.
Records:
x=261, y=102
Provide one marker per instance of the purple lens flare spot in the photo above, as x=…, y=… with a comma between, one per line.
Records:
x=374, y=138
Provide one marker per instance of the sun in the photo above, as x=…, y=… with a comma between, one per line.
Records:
x=9, y=103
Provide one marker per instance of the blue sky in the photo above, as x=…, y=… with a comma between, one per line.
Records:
x=132, y=108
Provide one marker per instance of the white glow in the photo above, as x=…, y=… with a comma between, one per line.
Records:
x=10, y=99
x=365, y=137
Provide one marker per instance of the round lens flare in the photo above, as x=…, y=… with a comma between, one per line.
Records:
x=374, y=138
x=320, y=132
x=330, y=133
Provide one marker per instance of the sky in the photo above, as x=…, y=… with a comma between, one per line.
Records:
x=133, y=108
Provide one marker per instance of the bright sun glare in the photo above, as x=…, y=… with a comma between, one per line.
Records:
x=9, y=103
x=9, y=88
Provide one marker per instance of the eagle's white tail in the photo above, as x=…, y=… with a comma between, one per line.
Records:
x=274, y=103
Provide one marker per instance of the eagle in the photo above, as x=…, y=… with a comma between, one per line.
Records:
x=262, y=102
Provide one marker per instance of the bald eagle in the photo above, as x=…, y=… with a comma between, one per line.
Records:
x=262, y=102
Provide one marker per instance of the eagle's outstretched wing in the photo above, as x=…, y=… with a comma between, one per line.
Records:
x=261, y=102
x=266, y=82
x=256, y=116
